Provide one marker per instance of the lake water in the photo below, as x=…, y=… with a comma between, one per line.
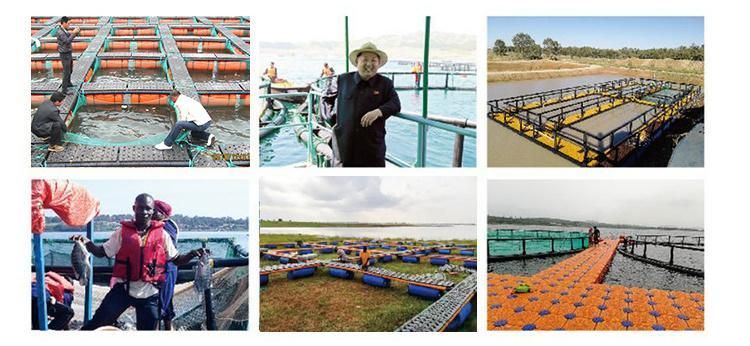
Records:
x=418, y=232
x=282, y=148
x=624, y=271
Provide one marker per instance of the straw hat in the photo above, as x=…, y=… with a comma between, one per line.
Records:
x=371, y=48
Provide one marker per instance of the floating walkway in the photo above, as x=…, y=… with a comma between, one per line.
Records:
x=604, y=124
x=447, y=313
x=176, y=47
x=570, y=296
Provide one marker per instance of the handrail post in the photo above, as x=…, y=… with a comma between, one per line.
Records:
x=41, y=291
x=346, y=42
x=310, y=143
x=87, y=306
x=422, y=129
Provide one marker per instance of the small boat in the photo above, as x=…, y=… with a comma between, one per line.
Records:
x=288, y=87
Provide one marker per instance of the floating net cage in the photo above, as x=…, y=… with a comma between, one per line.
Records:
x=518, y=242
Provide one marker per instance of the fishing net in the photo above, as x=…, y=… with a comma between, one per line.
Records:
x=230, y=302
x=511, y=242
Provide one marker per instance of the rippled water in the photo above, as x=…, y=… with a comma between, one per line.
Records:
x=46, y=76
x=282, y=148
x=115, y=125
x=129, y=75
x=231, y=125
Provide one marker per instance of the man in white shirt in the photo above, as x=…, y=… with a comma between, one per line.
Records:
x=191, y=116
x=141, y=248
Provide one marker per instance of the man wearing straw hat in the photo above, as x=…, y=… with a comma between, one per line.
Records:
x=364, y=101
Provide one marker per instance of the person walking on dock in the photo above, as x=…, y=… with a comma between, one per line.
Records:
x=417, y=71
x=141, y=248
x=64, y=47
x=163, y=212
x=364, y=100
x=191, y=116
x=597, y=235
x=48, y=123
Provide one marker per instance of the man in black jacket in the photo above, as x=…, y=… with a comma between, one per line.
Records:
x=64, y=47
x=364, y=101
x=48, y=123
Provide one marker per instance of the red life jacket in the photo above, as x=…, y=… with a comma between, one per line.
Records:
x=57, y=285
x=141, y=263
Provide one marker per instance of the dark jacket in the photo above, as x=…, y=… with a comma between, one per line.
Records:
x=64, y=41
x=358, y=146
x=45, y=116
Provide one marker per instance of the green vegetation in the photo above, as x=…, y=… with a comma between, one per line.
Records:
x=546, y=221
x=525, y=46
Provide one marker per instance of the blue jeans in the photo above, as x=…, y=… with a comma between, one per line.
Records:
x=195, y=131
x=117, y=301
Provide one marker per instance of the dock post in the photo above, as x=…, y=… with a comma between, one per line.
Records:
x=87, y=306
x=524, y=248
x=458, y=150
x=41, y=291
x=671, y=255
x=644, y=249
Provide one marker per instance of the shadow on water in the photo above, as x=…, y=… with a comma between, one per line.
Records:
x=527, y=267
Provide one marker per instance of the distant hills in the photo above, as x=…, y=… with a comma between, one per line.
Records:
x=443, y=46
x=291, y=223
x=186, y=223
x=547, y=221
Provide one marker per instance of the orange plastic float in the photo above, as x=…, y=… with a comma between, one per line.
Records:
x=124, y=63
x=570, y=296
x=135, y=32
x=202, y=65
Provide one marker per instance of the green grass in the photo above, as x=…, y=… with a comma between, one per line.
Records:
x=322, y=303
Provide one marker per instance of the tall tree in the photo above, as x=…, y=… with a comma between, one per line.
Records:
x=499, y=48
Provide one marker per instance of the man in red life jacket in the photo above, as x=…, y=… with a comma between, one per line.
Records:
x=141, y=249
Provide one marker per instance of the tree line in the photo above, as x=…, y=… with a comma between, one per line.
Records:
x=525, y=46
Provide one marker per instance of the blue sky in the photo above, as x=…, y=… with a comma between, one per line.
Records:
x=601, y=32
x=215, y=198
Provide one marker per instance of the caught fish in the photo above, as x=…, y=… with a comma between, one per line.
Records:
x=203, y=270
x=79, y=259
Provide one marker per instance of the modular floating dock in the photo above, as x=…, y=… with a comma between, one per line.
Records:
x=206, y=58
x=570, y=296
x=453, y=303
x=604, y=124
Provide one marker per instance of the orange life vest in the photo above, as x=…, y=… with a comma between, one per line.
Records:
x=145, y=262
x=271, y=72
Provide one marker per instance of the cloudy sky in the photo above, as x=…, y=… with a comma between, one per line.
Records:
x=215, y=198
x=640, y=202
x=370, y=199
x=331, y=28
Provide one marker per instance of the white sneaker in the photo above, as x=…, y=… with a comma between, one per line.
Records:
x=211, y=140
x=162, y=146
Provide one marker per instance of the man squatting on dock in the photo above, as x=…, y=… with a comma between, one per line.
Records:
x=64, y=47
x=363, y=101
x=141, y=249
x=191, y=116
x=48, y=123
